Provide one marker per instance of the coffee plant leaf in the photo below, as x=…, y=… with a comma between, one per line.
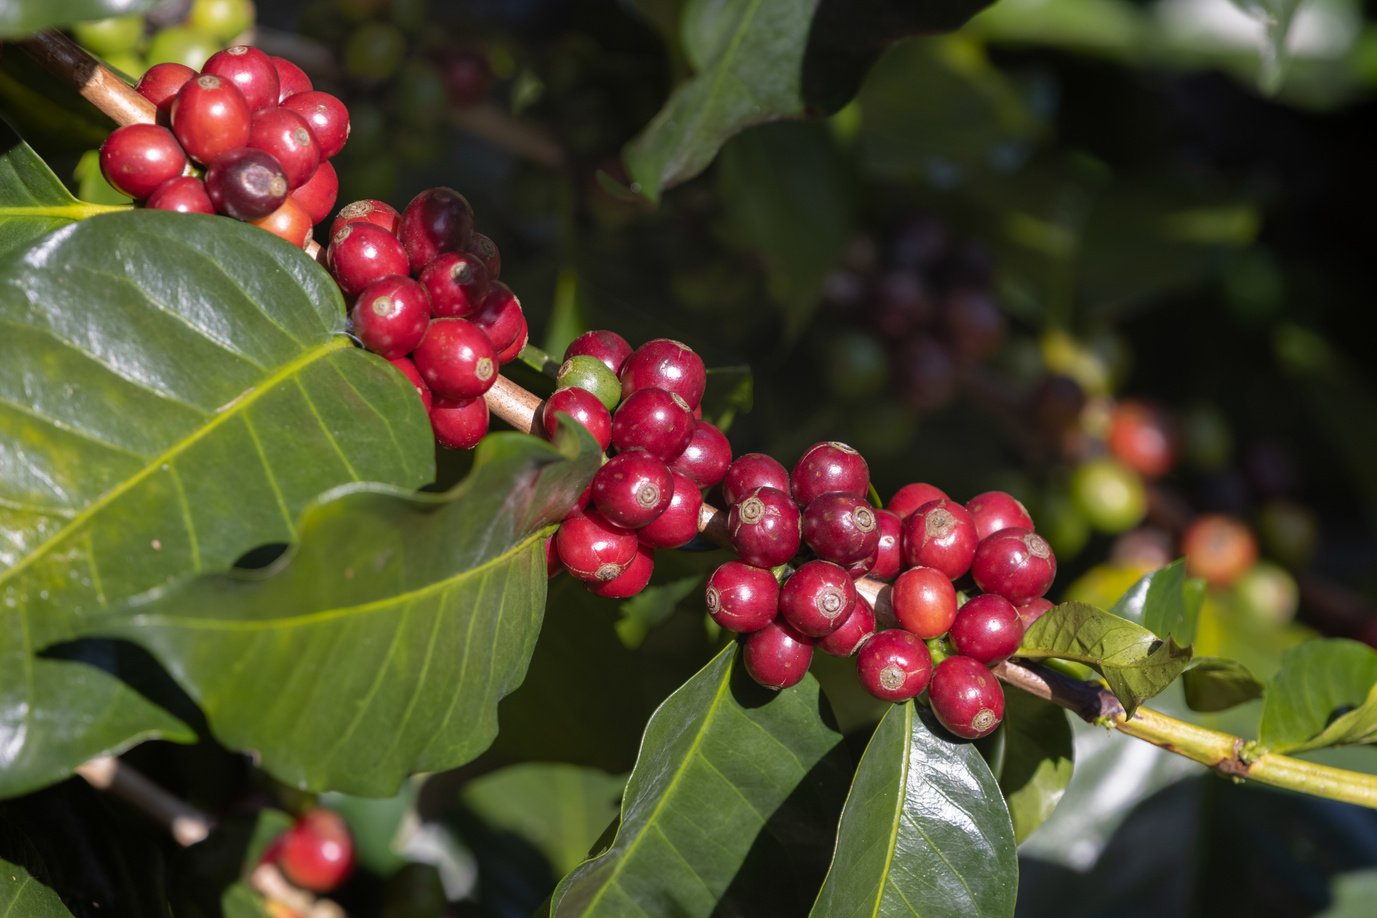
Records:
x=725, y=809
x=380, y=644
x=1135, y=663
x=757, y=62
x=1217, y=684
x=33, y=201
x=175, y=390
x=1325, y=694
x=1165, y=602
x=25, y=17
x=1036, y=759
x=22, y=894
x=925, y=830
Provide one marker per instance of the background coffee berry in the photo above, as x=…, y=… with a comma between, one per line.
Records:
x=608, y=346
x=750, y=471
x=996, y=510
x=829, y=466
x=665, y=364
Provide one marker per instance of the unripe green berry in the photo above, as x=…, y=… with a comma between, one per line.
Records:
x=223, y=19
x=116, y=35
x=592, y=374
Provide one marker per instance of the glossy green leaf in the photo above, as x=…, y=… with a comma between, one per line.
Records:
x=726, y=809
x=559, y=810
x=175, y=390
x=383, y=641
x=22, y=894
x=1352, y=895
x=25, y=17
x=1217, y=684
x=1165, y=603
x=1325, y=694
x=1134, y=662
x=1036, y=760
x=33, y=201
x=925, y=830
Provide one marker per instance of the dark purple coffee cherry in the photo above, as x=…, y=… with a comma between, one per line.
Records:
x=246, y=184
x=853, y=633
x=707, y=457
x=817, y=598
x=894, y=665
x=742, y=598
x=654, y=420
x=841, y=527
x=826, y=467
x=632, y=489
x=1015, y=563
x=437, y=220
x=777, y=656
x=751, y=471
x=966, y=697
x=987, y=628
x=764, y=527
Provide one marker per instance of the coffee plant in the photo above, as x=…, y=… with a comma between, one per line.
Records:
x=733, y=478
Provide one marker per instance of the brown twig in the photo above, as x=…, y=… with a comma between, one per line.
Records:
x=97, y=84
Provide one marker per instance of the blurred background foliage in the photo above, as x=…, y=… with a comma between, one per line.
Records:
x=1066, y=219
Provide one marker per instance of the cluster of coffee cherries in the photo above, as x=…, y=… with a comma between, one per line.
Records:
x=425, y=295
x=924, y=542
x=645, y=405
x=248, y=137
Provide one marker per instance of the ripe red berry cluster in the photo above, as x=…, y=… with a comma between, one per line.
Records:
x=425, y=294
x=645, y=405
x=247, y=137
x=804, y=536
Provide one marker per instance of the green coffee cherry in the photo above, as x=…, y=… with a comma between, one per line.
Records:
x=1110, y=495
x=592, y=374
x=116, y=35
x=223, y=19
x=181, y=45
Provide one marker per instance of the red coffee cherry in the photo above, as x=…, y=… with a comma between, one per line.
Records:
x=252, y=73
x=608, y=346
x=456, y=282
x=317, y=196
x=1016, y=564
x=841, y=528
x=987, y=628
x=665, y=364
x=742, y=598
x=210, y=118
x=361, y=253
x=996, y=510
x=631, y=581
x=456, y=359
x=138, y=158
x=888, y=557
x=817, y=598
x=924, y=601
x=707, y=456
x=593, y=549
x=513, y=350
x=499, y=315
x=316, y=853
x=1143, y=437
x=391, y=316
x=580, y=404
x=826, y=467
x=488, y=251
x=408, y=369
x=325, y=115
x=777, y=656
x=632, y=489
x=941, y=535
x=678, y=525
x=764, y=527
x=654, y=420
x=185, y=194
x=751, y=471
x=246, y=184
x=288, y=222
x=437, y=220
x=912, y=496
x=853, y=633
x=459, y=423
x=368, y=210
x=291, y=79
x=1218, y=548
x=1032, y=610
x=284, y=135
x=894, y=665
x=160, y=85
x=966, y=697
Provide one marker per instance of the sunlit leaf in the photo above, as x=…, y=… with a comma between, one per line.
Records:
x=1217, y=684
x=1165, y=603
x=1035, y=761
x=33, y=201
x=1325, y=694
